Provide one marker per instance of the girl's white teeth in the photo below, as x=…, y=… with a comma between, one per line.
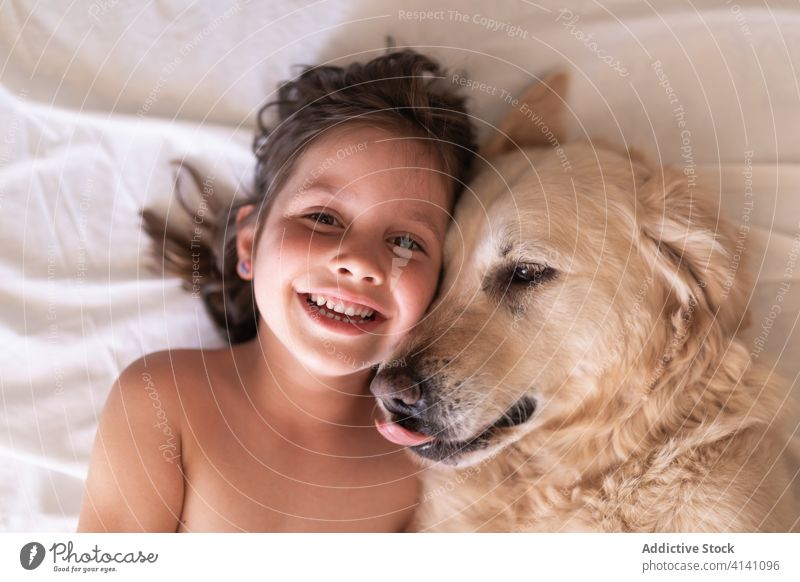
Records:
x=349, y=311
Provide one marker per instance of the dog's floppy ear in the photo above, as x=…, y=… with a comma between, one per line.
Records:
x=535, y=120
x=689, y=246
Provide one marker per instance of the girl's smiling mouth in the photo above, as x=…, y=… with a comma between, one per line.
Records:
x=350, y=320
x=353, y=311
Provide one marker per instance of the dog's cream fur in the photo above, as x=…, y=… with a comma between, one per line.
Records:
x=651, y=415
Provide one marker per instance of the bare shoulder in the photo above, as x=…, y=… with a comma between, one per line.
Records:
x=149, y=387
x=177, y=372
x=168, y=366
x=136, y=477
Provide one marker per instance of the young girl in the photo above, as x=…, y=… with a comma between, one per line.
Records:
x=320, y=274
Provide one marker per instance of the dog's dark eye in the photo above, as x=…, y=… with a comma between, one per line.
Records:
x=531, y=274
x=510, y=283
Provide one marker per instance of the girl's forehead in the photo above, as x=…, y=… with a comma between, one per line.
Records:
x=369, y=156
x=363, y=142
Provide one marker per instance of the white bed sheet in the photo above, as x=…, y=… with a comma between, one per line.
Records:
x=95, y=102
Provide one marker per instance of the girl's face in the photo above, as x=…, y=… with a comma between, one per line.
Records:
x=357, y=228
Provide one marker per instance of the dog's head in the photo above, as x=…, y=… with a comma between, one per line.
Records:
x=574, y=277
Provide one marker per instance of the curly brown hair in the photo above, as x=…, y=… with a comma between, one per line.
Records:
x=402, y=91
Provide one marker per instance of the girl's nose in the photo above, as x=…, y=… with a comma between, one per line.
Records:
x=362, y=264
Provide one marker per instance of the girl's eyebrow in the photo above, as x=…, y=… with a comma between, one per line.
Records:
x=317, y=185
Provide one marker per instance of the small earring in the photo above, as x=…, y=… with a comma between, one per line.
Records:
x=244, y=268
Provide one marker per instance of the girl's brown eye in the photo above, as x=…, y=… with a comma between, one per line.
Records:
x=321, y=218
x=406, y=242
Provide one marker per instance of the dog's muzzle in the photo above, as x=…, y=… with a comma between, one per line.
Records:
x=408, y=399
x=400, y=391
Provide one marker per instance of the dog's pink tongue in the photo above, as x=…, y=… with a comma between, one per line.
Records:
x=395, y=433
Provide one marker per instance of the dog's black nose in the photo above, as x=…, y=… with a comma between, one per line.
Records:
x=399, y=390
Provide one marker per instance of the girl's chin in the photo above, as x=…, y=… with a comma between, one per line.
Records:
x=324, y=358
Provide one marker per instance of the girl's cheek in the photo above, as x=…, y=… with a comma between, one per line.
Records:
x=300, y=242
x=419, y=290
x=433, y=267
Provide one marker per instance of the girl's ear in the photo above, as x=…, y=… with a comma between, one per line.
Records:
x=245, y=233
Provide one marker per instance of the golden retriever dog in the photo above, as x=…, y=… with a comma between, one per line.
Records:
x=579, y=369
